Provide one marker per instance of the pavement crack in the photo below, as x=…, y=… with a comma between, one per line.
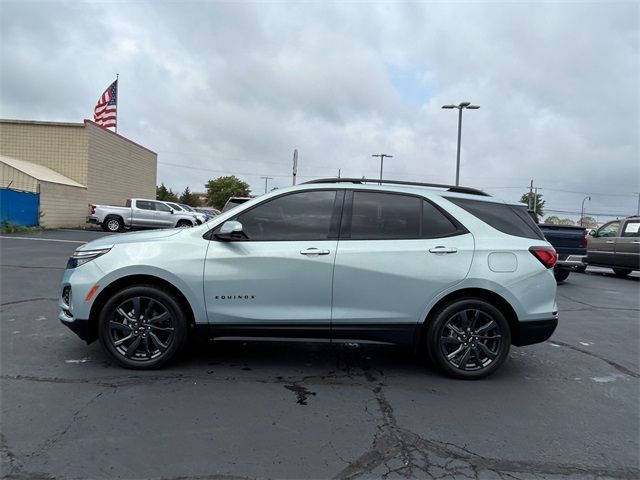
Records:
x=15, y=302
x=617, y=366
x=595, y=307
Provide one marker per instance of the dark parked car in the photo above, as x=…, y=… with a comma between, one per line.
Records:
x=616, y=245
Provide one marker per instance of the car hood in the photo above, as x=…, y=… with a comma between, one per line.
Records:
x=133, y=237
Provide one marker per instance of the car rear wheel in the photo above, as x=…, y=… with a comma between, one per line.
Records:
x=142, y=327
x=112, y=224
x=561, y=274
x=468, y=338
x=184, y=224
x=621, y=272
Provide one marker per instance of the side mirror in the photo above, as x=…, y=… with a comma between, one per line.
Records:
x=230, y=230
x=592, y=233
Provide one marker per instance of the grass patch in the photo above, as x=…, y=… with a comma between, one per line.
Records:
x=6, y=227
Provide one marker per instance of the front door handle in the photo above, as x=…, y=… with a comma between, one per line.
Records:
x=635, y=242
x=441, y=249
x=314, y=251
x=610, y=241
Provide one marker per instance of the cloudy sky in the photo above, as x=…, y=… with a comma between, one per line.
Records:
x=219, y=88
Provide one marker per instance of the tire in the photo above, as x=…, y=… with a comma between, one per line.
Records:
x=447, y=334
x=561, y=274
x=112, y=224
x=184, y=224
x=621, y=272
x=137, y=342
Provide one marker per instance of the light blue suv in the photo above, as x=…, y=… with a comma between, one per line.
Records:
x=445, y=270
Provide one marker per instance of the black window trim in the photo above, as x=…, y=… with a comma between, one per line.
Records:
x=334, y=222
x=345, y=229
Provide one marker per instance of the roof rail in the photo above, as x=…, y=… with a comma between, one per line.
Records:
x=450, y=188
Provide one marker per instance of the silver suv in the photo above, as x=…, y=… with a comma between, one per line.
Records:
x=446, y=271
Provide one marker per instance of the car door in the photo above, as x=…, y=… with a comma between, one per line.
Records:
x=601, y=248
x=164, y=215
x=628, y=245
x=396, y=252
x=144, y=214
x=276, y=281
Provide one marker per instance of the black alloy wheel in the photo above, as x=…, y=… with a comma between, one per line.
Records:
x=142, y=327
x=469, y=339
x=622, y=272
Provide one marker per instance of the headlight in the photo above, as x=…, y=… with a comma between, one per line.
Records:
x=80, y=257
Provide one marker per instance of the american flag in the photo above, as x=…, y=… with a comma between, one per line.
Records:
x=106, y=109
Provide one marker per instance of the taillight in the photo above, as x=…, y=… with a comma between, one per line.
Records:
x=547, y=255
x=93, y=209
x=585, y=237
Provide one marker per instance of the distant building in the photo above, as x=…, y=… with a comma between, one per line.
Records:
x=71, y=165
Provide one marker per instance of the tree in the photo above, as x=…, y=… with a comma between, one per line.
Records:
x=165, y=195
x=527, y=199
x=588, y=222
x=189, y=198
x=552, y=219
x=219, y=190
x=566, y=221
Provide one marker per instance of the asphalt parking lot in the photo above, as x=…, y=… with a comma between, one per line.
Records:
x=566, y=408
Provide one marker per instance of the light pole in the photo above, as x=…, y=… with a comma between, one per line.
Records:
x=460, y=107
x=382, y=155
x=582, y=209
x=266, y=179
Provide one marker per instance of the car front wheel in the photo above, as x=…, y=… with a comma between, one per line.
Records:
x=469, y=338
x=142, y=327
x=621, y=272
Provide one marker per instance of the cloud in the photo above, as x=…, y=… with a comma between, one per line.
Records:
x=235, y=87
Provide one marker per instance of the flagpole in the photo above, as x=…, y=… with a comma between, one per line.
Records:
x=117, y=100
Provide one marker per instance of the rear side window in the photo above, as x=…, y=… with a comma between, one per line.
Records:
x=143, y=205
x=385, y=216
x=435, y=224
x=632, y=229
x=509, y=219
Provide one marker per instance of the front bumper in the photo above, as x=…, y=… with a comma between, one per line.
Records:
x=534, y=331
x=86, y=330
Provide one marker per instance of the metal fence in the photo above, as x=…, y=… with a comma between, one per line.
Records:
x=19, y=207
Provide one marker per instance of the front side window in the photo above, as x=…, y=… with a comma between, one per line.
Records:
x=176, y=207
x=161, y=207
x=609, y=230
x=299, y=216
x=384, y=216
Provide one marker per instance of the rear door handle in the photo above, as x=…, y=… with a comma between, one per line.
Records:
x=635, y=242
x=440, y=250
x=314, y=251
x=610, y=241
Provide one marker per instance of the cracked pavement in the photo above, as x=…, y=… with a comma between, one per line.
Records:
x=564, y=409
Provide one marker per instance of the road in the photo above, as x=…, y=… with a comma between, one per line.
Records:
x=566, y=408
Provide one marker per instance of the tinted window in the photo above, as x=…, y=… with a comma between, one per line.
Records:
x=175, y=206
x=385, y=216
x=632, y=229
x=161, y=207
x=435, y=224
x=143, y=205
x=509, y=219
x=609, y=230
x=300, y=216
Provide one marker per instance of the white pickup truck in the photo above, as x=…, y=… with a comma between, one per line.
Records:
x=138, y=212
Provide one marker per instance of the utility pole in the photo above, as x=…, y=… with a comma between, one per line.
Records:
x=530, y=194
x=638, y=210
x=382, y=155
x=535, y=201
x=338, y=173
x=266, y=179
x=295, y=165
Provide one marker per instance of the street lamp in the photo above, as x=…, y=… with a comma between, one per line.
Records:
x=460, y=107
x=582, y=209
x=382, y=155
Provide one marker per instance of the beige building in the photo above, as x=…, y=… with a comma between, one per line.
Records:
x=94, y=165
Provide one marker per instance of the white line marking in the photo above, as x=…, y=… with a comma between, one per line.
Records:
x=39, y=319
x=16, y=331
x=82, y=360
x=554, y=345
x=11, y=320
x=43, y=239
x=608, y=378
x=586, y=344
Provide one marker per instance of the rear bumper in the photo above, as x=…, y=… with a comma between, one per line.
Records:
x=570, y=261
x=93, y=220
x=535, y=331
